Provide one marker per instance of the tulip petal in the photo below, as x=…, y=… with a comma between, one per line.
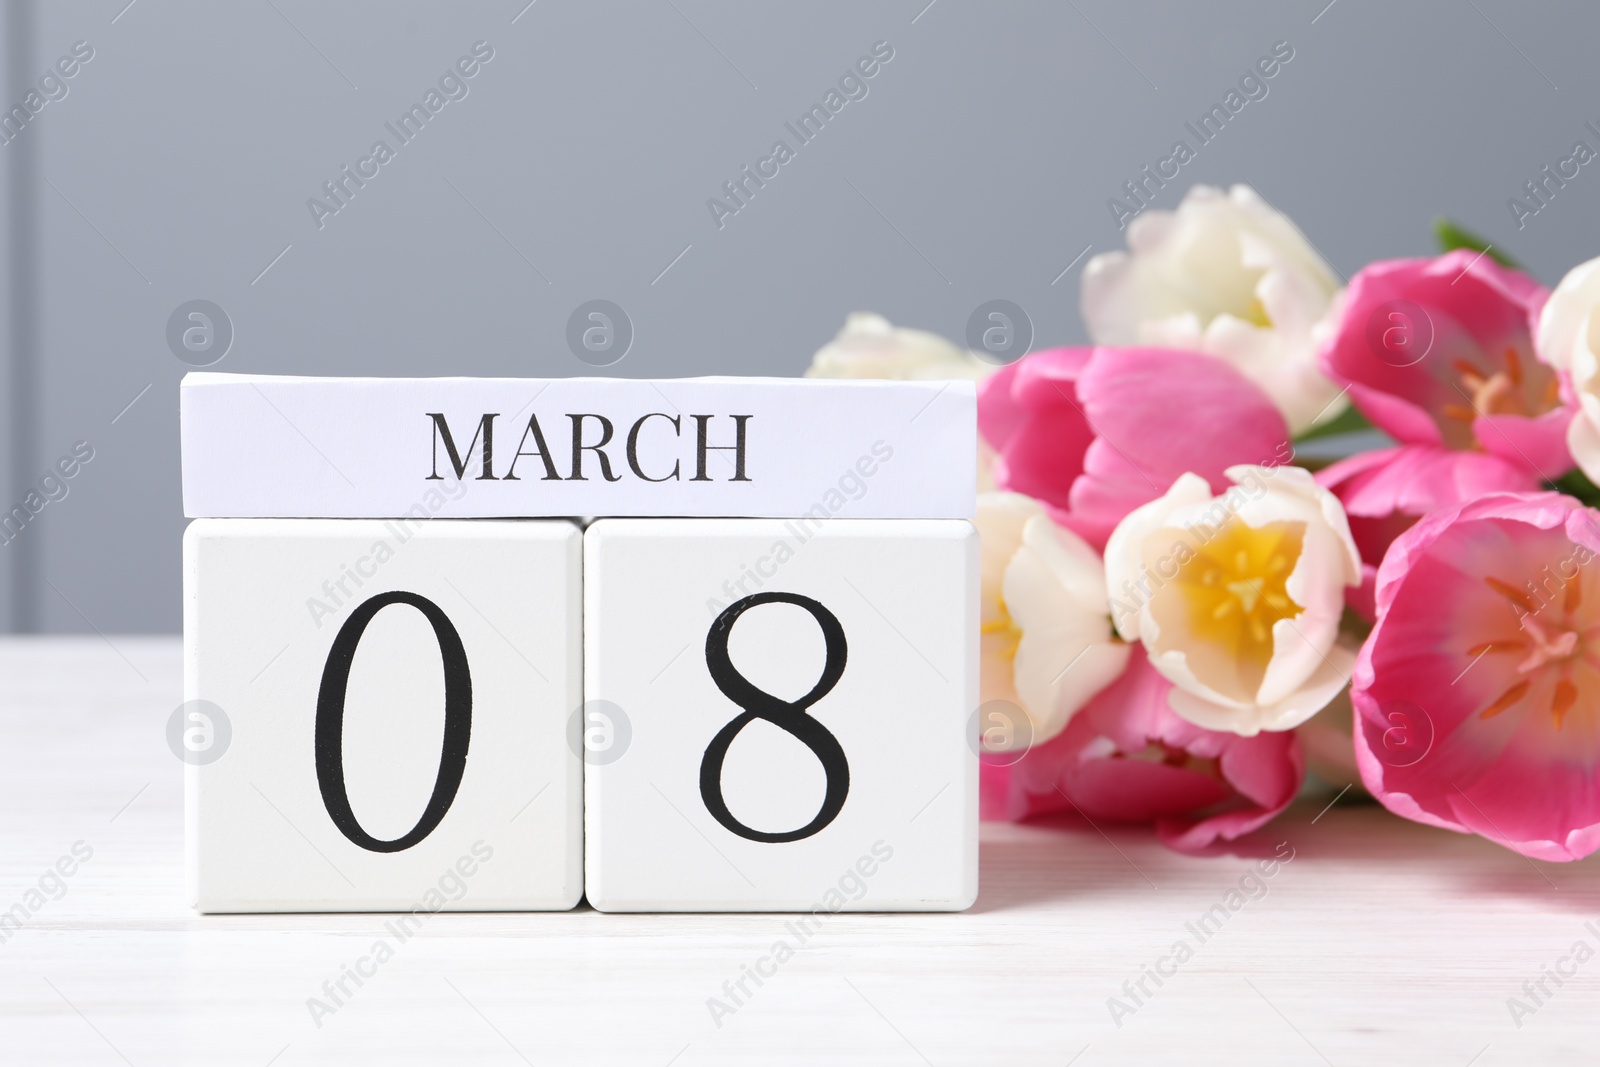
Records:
x=1477, y=706
x=1127, y=758
x=1440, y=352
x=1158, y=414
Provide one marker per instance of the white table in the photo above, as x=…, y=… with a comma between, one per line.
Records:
x=1382, y=942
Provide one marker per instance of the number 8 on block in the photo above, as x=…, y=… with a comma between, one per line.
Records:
x=797, y=698
x=395, y=698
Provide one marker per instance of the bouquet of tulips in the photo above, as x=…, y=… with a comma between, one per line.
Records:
x=1271, y=521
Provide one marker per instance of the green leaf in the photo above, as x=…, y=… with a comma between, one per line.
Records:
x=1575, y=484
x=1347, y=421
x=1451, y=237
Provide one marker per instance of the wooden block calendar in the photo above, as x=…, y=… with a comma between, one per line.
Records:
x=423, y=688
x=256, y=446
x=781, y=735
x=397, y=696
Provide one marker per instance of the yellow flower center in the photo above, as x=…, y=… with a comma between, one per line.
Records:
x=1235, y=588
x=1256, y=313
x=1002, y=632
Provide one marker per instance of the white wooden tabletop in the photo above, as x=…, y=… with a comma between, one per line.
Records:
x=1380, y=942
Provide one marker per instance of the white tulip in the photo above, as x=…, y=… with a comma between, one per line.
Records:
x=1237, y=598
x=1048, y=646
x=869, y=346
x=1569, y=338
x=1228, y=275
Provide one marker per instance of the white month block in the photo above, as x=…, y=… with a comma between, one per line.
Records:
x=378, y=715
x=268, y=446
x=780, y=715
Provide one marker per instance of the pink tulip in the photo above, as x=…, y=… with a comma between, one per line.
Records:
x=1477, y=695
x=1386, y=490
x=1096, y=432
x=1127, y=757
x=1440, y=352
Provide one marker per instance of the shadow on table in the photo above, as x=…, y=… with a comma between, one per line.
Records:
x=1367, y=837
x=1059, y=857
x=1066, y=857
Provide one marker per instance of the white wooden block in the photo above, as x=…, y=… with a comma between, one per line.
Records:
x=781, y=715
x=395, y=708
x=576, y=446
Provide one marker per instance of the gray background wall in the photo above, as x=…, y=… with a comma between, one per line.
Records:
x=179, y=164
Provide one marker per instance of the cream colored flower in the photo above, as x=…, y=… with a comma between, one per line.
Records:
x=1048, y=646
x=870, y=347
x=1237, y=598
x=1569, y=338
x=1228, y=275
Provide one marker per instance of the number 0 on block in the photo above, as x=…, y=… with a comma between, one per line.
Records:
x=388, y=704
